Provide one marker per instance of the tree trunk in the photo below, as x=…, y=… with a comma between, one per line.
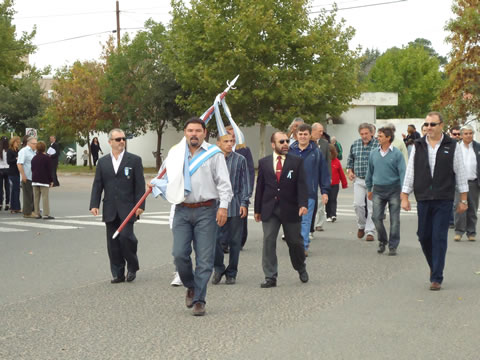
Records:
x=159, y=145
x=261, y=152
x=89, y=153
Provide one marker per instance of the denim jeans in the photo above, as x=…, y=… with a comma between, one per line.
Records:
x=231, y=234
x=306, y=222
x=197, y=225
x=433, y=216
x=383, y=195
x=14, y=192
x=362, y=206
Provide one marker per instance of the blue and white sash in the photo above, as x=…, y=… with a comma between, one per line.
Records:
x=199, y=159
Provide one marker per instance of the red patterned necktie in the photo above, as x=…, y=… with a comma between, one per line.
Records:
x=278, y=170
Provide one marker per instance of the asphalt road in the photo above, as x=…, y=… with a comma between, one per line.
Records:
x=56, y=300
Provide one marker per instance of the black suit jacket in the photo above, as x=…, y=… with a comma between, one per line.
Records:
x=290, y=194
x=121, y=190
x=54, y=157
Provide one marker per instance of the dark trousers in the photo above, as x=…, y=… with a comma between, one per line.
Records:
x=433, y=216
x=54, y=174
x=4, y=184
x=331, y=207
x=245, y=230
x=95, y=159
x=14, y=192
x=231, y=234
x=27, y=192
x=294, y=241
x=122, y=249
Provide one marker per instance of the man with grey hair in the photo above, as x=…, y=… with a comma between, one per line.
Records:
x=120, y=178
x=357, y=166
x=319, y=216
x=292, y=129
x=467, y=222
x=24, y=164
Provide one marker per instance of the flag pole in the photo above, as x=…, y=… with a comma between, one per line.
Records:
x=206, y=115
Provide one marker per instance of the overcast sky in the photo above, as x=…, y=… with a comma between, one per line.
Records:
x=378, y=26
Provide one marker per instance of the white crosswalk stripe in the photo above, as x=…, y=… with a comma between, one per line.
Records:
x=5, y=230
x=40, y=225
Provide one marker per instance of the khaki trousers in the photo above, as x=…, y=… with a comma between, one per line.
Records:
x=41, y=192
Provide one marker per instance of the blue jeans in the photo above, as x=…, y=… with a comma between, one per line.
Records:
x=306, y=222
x=230, y=234
x=383, y=195
x=14, y=192
x=433, y=216
x=197, y=225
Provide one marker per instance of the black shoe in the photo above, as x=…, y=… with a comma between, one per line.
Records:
x=381, y=248
x=118, y=280
x=7, y=207
x=268, y=283
x=225, y=249
x=48, y=218
x=217, y=277
x=131, y=275
x=303, y=276
x=230, y=280
x=392, y=252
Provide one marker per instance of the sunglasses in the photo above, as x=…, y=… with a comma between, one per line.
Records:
x=456, y=134
x=431, y=124
x=120, y=139
x=283, y=141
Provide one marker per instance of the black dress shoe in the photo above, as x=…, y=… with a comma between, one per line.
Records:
x=303, y=276
x=268, y=283
x=381, y=248
x=131, y=275
x=118, y=280
x=392, y=252
x=230, y=280
x=217, y=277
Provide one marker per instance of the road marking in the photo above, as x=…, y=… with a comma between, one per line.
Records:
x=154, y=222
x=40, y=225
x=3, y=229
x=79, y=222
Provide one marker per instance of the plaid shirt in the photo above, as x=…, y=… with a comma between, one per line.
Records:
x=358, y=157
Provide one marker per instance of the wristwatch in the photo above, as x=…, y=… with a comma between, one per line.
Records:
x=464, y=202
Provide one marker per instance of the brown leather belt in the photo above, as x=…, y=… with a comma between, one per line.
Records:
x=207, y=203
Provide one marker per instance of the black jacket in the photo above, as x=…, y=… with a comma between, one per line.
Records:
x=290, y=194
x=121, y=190
x=42, y=169
x=54, y=157
x=12, y=157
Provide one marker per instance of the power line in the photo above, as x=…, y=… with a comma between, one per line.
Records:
x=362, y=6
x=76, y=37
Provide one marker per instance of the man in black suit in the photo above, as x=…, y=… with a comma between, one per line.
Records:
x=54, y=157
x=281, y=198
x=120, y=176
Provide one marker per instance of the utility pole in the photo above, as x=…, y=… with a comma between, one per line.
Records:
x=118, y=25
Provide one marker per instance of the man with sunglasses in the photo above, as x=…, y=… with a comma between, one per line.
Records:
x=281, y=198
x=120, y=177
x=434, y=169
x=455, y=133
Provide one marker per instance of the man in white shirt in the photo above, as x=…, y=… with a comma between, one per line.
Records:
x=467, y=222
x=24, y=164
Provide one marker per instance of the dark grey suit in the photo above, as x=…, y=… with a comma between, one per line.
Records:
x=121, y=192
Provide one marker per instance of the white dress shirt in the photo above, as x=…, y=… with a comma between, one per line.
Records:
x=470, y=160
x=116, y=162
x=458, y=167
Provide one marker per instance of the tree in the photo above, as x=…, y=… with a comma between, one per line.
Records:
x=461, y=96
x=140, y=87
x=414, y=74
x=427, y=45
x=12, y=51
x=22, y=103
x=289, y=65
x=77, y=106
x=368, y=59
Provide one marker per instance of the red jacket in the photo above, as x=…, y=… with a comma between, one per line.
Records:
x=338, y=174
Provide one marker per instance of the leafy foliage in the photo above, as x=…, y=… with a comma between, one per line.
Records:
x=414, y=74
x=461, y=96
x=289, y=65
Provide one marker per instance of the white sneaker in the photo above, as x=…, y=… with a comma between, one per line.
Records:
x=176, y=280
x=310, y=236
x=329, y=219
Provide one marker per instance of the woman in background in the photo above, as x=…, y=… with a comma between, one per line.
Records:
x=95, y=148
x=42, y=180
x=14, y=174
x=4, y=183
x=337, y=176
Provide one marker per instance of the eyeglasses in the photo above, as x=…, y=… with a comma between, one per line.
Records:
x=120, y=139
x=455, y=134
x=431, y=124
x=283, y=141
